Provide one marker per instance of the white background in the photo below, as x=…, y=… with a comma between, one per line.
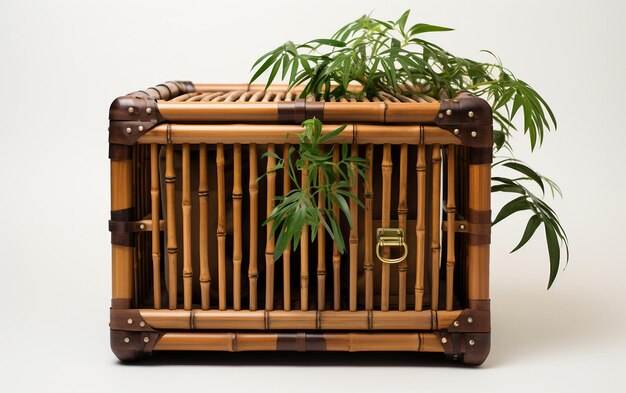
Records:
x=63, y=62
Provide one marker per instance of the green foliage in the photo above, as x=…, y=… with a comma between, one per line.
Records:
x=298, y=209
x=368, y=57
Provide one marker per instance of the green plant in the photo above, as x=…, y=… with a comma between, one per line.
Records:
x=369, y=57
x=326, y=179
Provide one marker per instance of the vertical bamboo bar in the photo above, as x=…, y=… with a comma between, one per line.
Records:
x=387, y=168
x=336, y=255
x=321, y=249
x=203, y=239
x=122, y=256
x=221, y=227
x=354, y=231
x=186, y=207
x=451, y=208
x=269, y=244
x=287, y=252
x=420, y=229
x=369, y=240
x=253, y=187
x=237, y=196
x=402, y=217
x=480, y=217
x=172, y=247
x=156, y=231
x=436, y=226
x=304, y=251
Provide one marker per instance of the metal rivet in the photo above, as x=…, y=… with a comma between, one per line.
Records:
x=131, y=109
x=470, y=114
x=455, y=100
x=146, y=339
x=142, y=324
x=449, y=112
x=148, y=110
x=142, y=226
x=126, y=340
x=462, y=227
x=472, y=342
x=441, y=115
x=129, y=321
x=140, y=128
x=456, y=323
x=129, y=130
x=444, y=340
x=456, y=131
x=474, y=133
x=470, y=320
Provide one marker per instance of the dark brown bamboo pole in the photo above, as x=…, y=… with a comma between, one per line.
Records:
x=436, y=226
x=354, y=231
x=156, y=232
x=336, y=255
x=451, y=209
x=237, y=196
x=387, y=168
x=269, y=242
x=369, y=230
x=403, y=211
x=304, y=251
x=186, y=208
x=203, y=239
x=122, y=256
x=221, y=227
x=420, y=229
x=172, y=247
x=287, y=252
x=253, y=187
x=321, y=247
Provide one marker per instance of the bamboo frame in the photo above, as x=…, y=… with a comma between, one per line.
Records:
x=387, y=168
x=186, y=208
x=435, y=226
x=321, y=247
x=269, y=242
x=368, y=264
x=354, y=231
x=221, y=227
x=287, y=252
x=420, y=229
x=478, y=254
x=451, y=210
x=122, y=285
x=172, y=247
x=203, y=238
x=237, y=196
x=253, y=189
x=336, y=254
x=403, y=211
x=304, y=251
x=156, y=230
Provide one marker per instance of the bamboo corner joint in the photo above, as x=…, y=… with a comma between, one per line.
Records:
x=451, y=138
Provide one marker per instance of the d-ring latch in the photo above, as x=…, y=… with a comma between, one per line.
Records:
x=391, y=237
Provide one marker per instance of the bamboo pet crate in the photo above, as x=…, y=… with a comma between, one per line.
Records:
x=193, y=265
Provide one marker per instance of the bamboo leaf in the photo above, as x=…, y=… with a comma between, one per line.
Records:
x=531, y=227
x=554, y=252
x=518, y=166
x=516, y=205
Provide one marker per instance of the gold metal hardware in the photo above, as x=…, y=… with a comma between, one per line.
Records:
x=391, y=237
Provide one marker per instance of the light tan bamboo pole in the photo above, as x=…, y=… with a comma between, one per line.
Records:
x=387, y=168
x=369, y=234
x=451, y=208
x=402, y=218
x=237, y=196
x=253, y=187
x=269, y=243
x=186, y=207
x=221, y=227
x=436, y=226
x=336, y=255
x=156, y=230
x=420, y=229
x=122, y=256
x=203, y=239
x=287, y=252
x=304, y=250
x=354, y=231
x=478, y=253
x=321, y=247
x=172, y=247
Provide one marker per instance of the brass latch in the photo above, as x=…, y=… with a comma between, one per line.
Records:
x=391, y=237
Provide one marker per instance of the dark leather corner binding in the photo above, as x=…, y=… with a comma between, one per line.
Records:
x=131, y=336
x=469, y=118
x=130, y=117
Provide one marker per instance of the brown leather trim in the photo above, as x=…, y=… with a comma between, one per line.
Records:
x=300, y=342
x=475, y=239
x=121, y=218
x=120, y=303
x=471, y=348
x=132, y=116
x=128, y=320
x=299, y=110
x=120, y=152
x=471, y=321
x=482, y=305
x=131, y=346
x=469, y=118
x=479, y=216
x=480, y=155
x=126, y=226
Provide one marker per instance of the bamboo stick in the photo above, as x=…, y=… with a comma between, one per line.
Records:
x=304, y=251
x=402, y=219
x=253, y=187
x=269, y=243
x=186, y=207
x=203, y=247
x=436, y=226
x=122, y=256
x=478, y=254
x=172, y=247
x=354, y=231
x=336, y=255
x=451, y=208
x=420, y=228
x=287, y=252
x=156, y=232
x=321, y=247
x=387, y=168
x=237, y=196
x=369, y=244
x=221, y=227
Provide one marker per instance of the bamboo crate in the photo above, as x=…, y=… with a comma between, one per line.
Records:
x=192, y=263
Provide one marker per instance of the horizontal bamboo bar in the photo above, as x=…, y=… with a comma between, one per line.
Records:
x=281, y=133
x=230, y=342
x=296, y=319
